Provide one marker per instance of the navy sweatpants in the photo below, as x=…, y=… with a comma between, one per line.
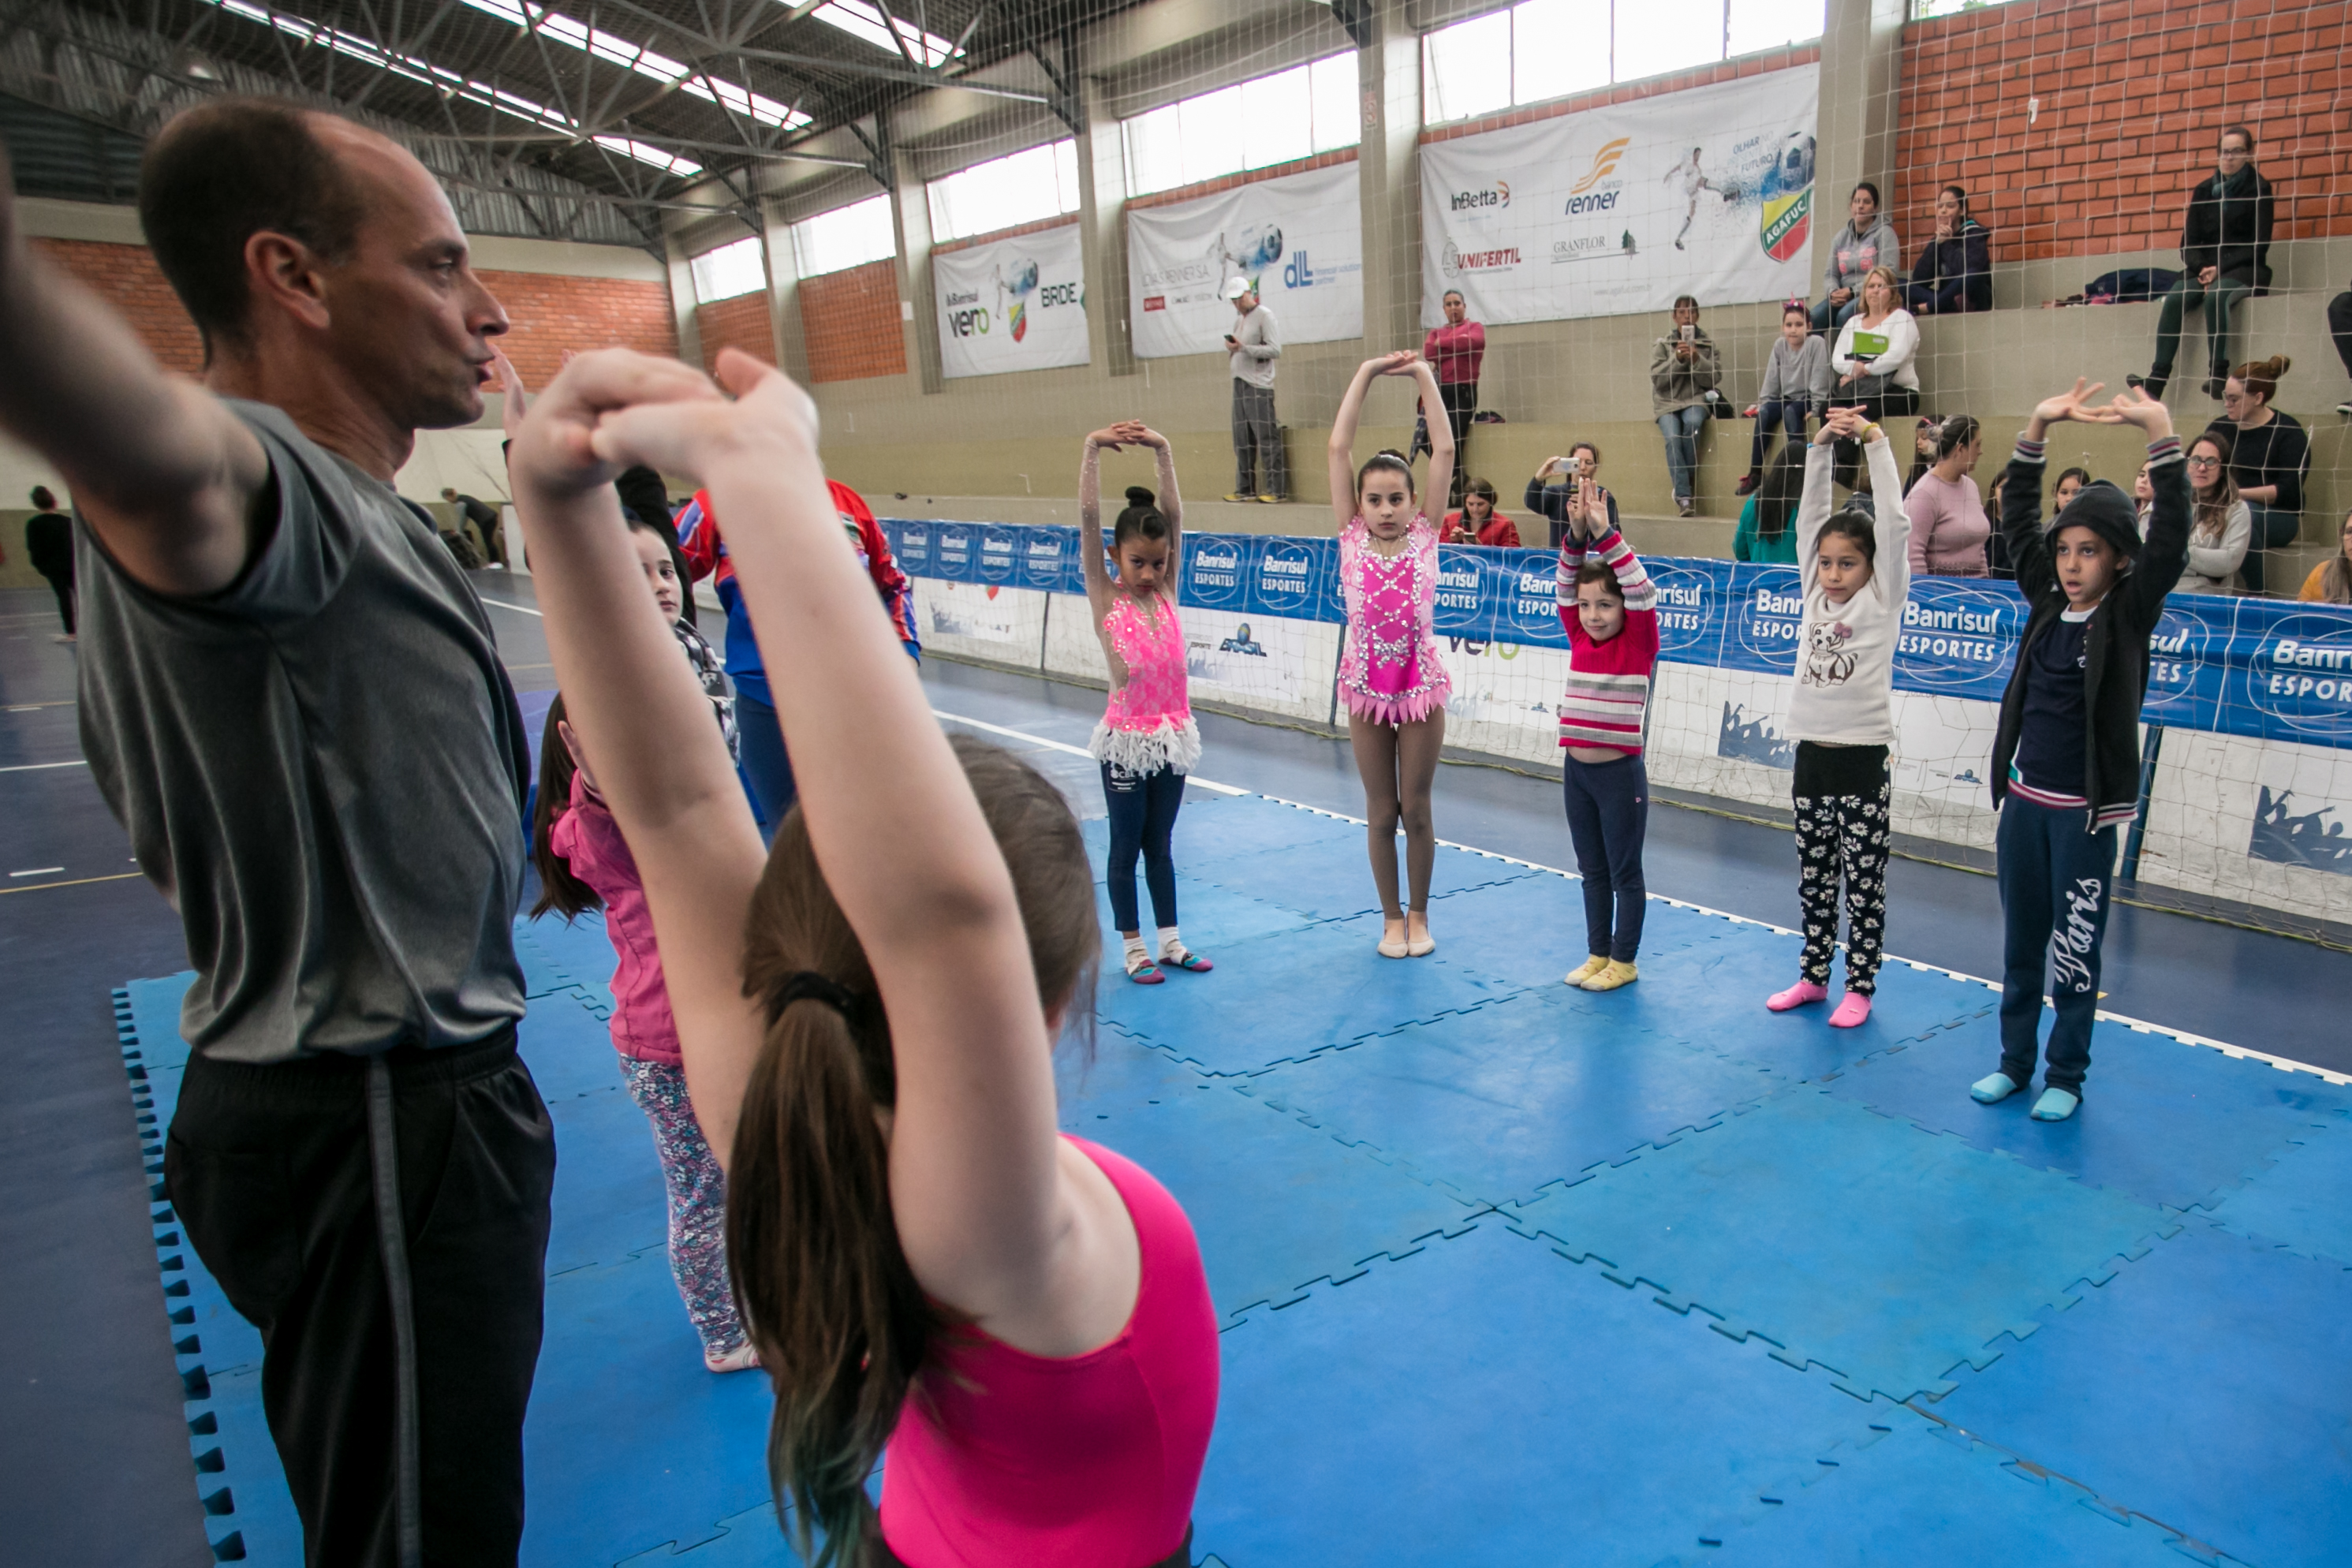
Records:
x=1142, y=821
x=2055, y=880
x=1608, y=816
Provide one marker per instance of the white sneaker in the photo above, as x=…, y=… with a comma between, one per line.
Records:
x=1683, y=504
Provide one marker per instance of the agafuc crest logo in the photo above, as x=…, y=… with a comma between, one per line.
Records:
x=1498, y=195
x=1788, y=214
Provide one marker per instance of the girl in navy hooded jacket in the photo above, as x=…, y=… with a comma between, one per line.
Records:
x=1954, y=272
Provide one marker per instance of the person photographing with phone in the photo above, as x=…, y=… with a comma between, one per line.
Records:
x=1260, y=471
x=1684, y=368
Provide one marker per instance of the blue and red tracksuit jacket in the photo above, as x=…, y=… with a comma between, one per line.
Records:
x=705, y=548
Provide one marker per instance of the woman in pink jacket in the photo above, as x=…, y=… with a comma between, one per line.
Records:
x=1948, y=526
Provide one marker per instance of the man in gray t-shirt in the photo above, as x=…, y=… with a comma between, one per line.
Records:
x=292, y=698
x=1260, y=469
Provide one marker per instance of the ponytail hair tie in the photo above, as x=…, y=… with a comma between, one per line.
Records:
x=808, y=986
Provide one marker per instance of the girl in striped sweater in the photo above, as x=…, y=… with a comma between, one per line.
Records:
x=1610, y=614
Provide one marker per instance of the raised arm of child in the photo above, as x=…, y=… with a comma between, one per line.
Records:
x=1815, y=502
x=2021, y=492
x=1441, y=434
x=1340, y=452
x=1091, y=548
x=991, y=1223
x=2165, y=554
x=1890, y=577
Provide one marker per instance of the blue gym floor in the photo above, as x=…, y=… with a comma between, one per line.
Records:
x=1508, y=1273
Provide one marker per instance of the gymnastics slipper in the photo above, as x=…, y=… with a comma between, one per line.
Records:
x=1187, y=960
x=1393, y=946
x=1854, y=1008
x=1614, y=976
x=1146, y=974
x=1421, y=948
x=1586, y=971
x=742, y=1358
x=2055, y=1105
x=1992, y=1089
x=1796, y=995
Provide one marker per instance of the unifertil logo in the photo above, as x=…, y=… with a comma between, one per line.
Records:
x=1458, y=262
x=1155, y=302
x=1496, y=196
x=1604, y=163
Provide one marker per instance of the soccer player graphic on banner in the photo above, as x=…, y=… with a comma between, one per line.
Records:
x=1695, y=180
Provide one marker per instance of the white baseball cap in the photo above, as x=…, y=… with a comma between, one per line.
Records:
x=1237, y=288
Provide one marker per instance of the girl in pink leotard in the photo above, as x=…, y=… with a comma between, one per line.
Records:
x=867, y=1022
x=1147, y=740
x=1391, y=676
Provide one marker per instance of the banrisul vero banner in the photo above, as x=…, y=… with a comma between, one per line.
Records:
x=1015, y=304
x=1298, y=240
x=1708, y=192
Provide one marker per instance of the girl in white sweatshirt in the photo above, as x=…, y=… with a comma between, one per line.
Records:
x=1855, y=572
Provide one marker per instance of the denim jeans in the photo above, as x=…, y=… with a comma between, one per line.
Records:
x=2274, y=527
x=1681, y=431
x=1829, y=318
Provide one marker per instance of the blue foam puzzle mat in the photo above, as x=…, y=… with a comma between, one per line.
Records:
x=1242, y=827
x=2206, y=1384
x=1211, y=918
x=1331, y=879
x=1501, y=1099
x=1925, y=1494
x=1885, y=1252
x=1292, y=994
x=2164, y=1122
x=610, y=1202
x=2303, y=1201
x=579, y=948
x=1280, y=1205
x=1483, y=1401
x=1529, y=929
x=568, y=1049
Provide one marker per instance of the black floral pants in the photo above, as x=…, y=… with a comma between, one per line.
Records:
x=1844, y=838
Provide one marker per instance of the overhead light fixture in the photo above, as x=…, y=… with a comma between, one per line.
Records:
x=189, y=63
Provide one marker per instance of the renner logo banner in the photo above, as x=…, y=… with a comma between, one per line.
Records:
x=1299, y=239
x=1015, y=304
x=1707, y=193
x=2268, y=669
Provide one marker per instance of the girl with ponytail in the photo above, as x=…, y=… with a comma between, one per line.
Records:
x=1147, y=740
x=867, y=1018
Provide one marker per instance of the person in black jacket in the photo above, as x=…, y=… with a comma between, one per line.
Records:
x=48, y=545
x=2339, y=326
x=2270, y=454
x=2065, y=758
x=2225, y=245
x=1954, y=272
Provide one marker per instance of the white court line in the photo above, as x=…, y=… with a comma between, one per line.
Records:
x=36, y=767
x=520, y=610
x=36, y=871
x=1066, y=746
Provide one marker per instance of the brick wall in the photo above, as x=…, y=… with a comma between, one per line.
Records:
x=126, y=277
x=741, y=322
x=850, y=319
x=2134, y=94
x=549, y=313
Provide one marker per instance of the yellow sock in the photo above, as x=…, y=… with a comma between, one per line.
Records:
x=1587, y=970
x=1614, y=976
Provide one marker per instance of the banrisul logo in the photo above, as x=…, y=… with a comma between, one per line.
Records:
x=1787, y=211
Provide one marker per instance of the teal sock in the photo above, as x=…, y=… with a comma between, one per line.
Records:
x=2055, y=1105
x=1992, y=1090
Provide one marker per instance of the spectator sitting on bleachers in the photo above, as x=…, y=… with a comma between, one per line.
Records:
x=1866, y=241
x=1876, y=349
x=1796, y=383
x=1552, y=489
x=2339, y=326
x=1478, y=523
x=1684, y=368
x=2070, y=480
x=2330, y=582
x=1954, y=271
x=2217, y=539
x=2269, y=455
x=1923, y=450
x=1948, y=526
x=2143, y=500
x=2225, y=245
x=1996, y=561
x=1767, y=533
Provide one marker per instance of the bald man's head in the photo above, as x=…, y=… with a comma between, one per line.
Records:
x=224, y=171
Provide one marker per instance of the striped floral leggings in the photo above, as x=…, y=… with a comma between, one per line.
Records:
x=698, y=1202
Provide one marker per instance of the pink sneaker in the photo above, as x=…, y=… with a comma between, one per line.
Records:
x=1852, y=1010
x=1798, y=995
x=742, y=1358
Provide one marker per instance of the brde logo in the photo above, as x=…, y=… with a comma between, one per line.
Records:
x=1286, y=573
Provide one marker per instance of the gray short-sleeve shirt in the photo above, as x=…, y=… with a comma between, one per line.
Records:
x=323, y=768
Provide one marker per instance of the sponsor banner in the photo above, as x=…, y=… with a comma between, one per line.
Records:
x=1621, y=208
x=1297, y=239
x=2262, y=668
x=1015, y=304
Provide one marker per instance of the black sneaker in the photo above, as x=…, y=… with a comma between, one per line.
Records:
x=2214, y=387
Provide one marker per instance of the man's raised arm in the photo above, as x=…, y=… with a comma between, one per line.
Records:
x=164, y=474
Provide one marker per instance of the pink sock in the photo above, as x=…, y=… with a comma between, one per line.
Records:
x=1796, y=995
x=1852, y=1010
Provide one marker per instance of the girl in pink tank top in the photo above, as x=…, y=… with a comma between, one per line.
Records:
x=926, y=1265
x=1391, y=677
x=1147, y=740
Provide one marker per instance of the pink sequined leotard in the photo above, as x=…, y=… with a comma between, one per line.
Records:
x=1390, y=672
x=1148, y=724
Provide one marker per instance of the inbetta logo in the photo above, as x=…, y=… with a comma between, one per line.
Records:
x=1604, y=163
x=1496, y=196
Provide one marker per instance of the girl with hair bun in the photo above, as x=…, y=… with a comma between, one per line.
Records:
x=2270, y=455
x=1391, y=676
x=1147, y=740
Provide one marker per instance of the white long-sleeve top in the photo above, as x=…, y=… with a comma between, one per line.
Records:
x=1902, y=334
x=1845, y=653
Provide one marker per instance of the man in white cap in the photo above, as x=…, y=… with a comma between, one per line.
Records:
x=1259, y=471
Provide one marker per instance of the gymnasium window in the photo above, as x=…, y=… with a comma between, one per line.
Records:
x=1253, y=124
x=729, y=270
x=1550, y=48
x=845, y=237
x=1005, y=193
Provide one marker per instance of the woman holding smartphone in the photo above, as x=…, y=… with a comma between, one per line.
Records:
x=1552, y=492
